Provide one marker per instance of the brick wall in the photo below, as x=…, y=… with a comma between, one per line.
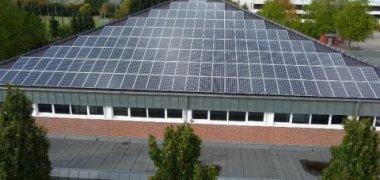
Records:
x=215, y=133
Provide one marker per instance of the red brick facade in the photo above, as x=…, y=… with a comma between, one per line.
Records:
x=214, y=133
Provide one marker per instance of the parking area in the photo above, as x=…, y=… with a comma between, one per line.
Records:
x=369, y=50
x=116, y=159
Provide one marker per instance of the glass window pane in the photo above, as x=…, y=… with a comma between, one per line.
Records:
x=337, y=119
x=96, y=110
x=301, y=118
x=218, y=115
x=61, y=109
x=281, y=117
x=319, y=119
x=236, y=116
x=156, y=113
x=377, y=123
x=45, y=108
x=79, y=110
x=255, y=116
x=174, y=113
x=138, y=112
x=199, y=114
x=120, y=111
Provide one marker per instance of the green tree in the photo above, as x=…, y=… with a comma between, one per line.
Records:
x=353, y=22
x=245, y=6
x=89, y=22
x=74, y=24
x=320, y=18
x=85, y=9
x=19, y=30
x=280, y=11
x=23, y=145
x=356, y=157
x=54, y=28
x=178, y=157
x=95, y=5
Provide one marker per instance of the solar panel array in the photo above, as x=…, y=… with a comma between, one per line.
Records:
x=196, y=47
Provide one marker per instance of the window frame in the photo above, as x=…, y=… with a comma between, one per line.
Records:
x=167, y=113
x=282, y=122
x=113, y=112
x=134, y=108
x=90, y=108
x=78, y=114
x=41, y=112
x=207, y=114
x=55, y=109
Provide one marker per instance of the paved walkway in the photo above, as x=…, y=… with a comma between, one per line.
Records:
x=104, y=159
x=370, y=50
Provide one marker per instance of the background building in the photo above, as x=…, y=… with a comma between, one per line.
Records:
x=234, y=75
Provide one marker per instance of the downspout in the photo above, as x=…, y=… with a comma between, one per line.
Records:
x=185, y=119
x=357, y=108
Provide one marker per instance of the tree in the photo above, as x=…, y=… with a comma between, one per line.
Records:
x=24, y=145
x=280, y=11
x=85, y=9
x=95, y=5
x=178, y=157
x=245, y=6
x=353, y=22
x=125, y=8
x=320, y=18
x=356, y=157
x=74, y=25
x=19, y=31
x=104, y=9
x=54, y=28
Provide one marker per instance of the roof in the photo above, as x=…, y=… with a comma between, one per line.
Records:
x=85, y=158
x=196, y=46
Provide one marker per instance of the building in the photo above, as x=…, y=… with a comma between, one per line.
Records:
x=234, y=75
x=256, y=5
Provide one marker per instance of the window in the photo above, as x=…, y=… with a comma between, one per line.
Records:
x=337, y=119
x=174, y=113
x=138, y=112
x=156, y=113
x=199, y=114
x=365, y=117
x=218, y=115
x=61, y=109
x=319, y=119
x=281, y=117
x=96, y=110
x=255, y=116
x=236, y=116
x=120, y=111
x=45, y=108
x=377, y=123
x=80, y=110
x=301, y=118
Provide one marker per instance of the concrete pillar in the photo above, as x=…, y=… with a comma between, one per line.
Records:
x=108, y=113
x=269, y=118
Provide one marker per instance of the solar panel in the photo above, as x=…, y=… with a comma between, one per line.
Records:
x=196, y=46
